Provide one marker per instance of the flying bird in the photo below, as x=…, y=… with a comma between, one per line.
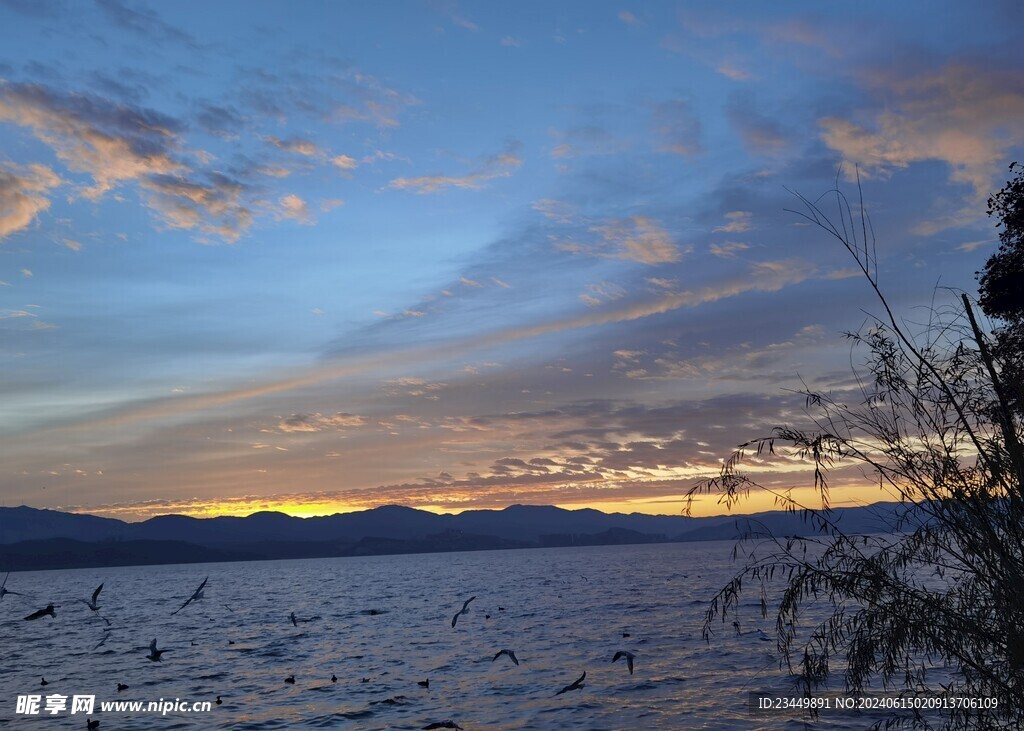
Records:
x=575, y=685
x=196, y=596
x=154, y=654
x=91, y=603
x=464, y=610
x=629, y=659
x=511, y=656
x=43, y=613
x=4, y=591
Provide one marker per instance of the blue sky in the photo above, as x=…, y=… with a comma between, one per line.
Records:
x=325, y=256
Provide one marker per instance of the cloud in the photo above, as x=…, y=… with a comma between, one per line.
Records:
x=628, y=18
x=110, y=142
x=216, y=206
x=295, y=208
x=309, y=423
x=963, y=115
x=760, y=134
x=296, y=146
x=344, y=162
x=144, y=22
x=677, y=127
x=23, y=195
x=511, y=42
x=637, y=238
x=728, y=250
x=502, y=165
x=739, y=221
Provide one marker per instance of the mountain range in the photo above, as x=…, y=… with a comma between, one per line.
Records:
x=32, y=538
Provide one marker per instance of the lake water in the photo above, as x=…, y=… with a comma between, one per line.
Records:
x=388, y=619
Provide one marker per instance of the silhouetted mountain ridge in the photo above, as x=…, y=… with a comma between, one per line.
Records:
x=386, y=529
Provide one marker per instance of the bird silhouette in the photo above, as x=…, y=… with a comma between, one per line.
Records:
x=47, y=612
x=575, y=685
x=196, y=596
x=121, y=687
x=154, y=654
x=629, y=659
x=43, y=681
x=511, y=656
x=442, y=724
x=92, y=724
x=4, y=591
x=218, y=701
x=423, y=683
x=290, y=680
x=91, y=603
x=334, y=678
x=464, y=610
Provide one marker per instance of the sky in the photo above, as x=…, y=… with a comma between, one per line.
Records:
x=318, y=257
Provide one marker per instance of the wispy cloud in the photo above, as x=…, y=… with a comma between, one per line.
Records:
x=502, y=165
x=23, y=195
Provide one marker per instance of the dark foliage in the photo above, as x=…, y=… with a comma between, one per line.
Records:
x=938, y=605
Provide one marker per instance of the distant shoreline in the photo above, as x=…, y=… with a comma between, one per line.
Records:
x=43, y=540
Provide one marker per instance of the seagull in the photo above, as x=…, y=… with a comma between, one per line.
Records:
x=290, y=680
x=510, y=653
x=196, y=596
x=121, y=686
x=4, y=591
x=43, y=613
x=102, y=642
x=154, y=654
x=464, y=610
x=91, y=603
x=629, y=659
x=92, y=724
x=576, y=685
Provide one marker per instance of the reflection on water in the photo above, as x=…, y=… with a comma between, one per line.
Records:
x=382, y=624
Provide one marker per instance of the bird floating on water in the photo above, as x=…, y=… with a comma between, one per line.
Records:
x=464, y=610
x=47, y=612
x=629, y=659
x=121, y=687
x=154, y=654
x=334, y=678
x=575, y=685
x=92, y=724
x=442, y=724
x=196, y=596
x=218, y=701
x=43, y=681
x=423, y=683
x=290, y=680
x=511, y=656
x=91, y=603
